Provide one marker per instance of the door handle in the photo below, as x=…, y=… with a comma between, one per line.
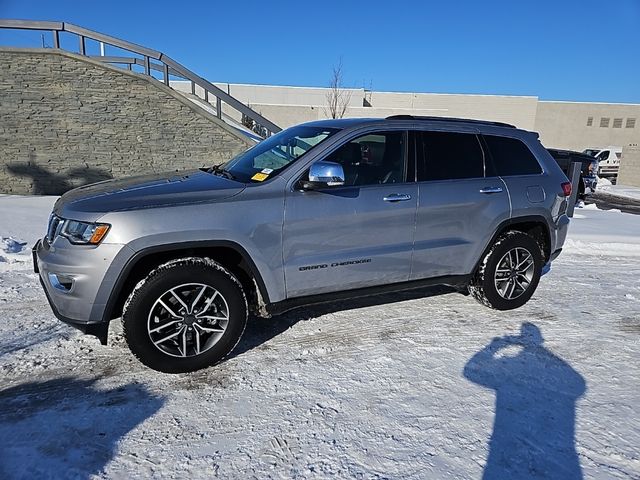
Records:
x=491, y=190
x=397, y=197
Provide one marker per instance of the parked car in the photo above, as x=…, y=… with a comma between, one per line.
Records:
x=589, y=166
x=320, y=211
x=608, y=159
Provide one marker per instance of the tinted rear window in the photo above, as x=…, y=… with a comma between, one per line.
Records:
x=448, y=155
x=510, y=157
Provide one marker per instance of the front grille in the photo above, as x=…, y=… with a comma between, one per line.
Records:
x=55, y=225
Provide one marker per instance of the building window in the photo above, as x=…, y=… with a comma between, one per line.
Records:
x=631, y=123
x=617, y=123
x=589, y=121
x=604, y=122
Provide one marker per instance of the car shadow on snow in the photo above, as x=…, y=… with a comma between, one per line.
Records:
x=536, y=393
x=67, y=427
x=259, y=331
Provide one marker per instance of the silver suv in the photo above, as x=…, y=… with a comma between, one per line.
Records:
x=335, y=208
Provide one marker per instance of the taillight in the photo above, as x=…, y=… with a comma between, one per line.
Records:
x=566, y=188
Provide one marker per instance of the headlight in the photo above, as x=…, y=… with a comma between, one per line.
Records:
x=81, y=233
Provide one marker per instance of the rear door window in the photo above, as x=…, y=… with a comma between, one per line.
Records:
x=448, y=156
x=510, y=156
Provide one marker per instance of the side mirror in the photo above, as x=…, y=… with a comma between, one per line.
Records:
x=322, y=175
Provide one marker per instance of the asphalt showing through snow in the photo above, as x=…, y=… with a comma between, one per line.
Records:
x=605, y=201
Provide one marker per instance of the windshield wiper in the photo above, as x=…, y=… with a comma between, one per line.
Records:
x=218, y=170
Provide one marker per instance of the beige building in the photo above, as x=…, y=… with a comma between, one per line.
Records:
x=630, y=166
x=570, y=125
x=580, y=125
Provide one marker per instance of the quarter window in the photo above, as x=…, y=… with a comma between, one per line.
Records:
x=375, y=158
x=448, y=156
x=510, y=156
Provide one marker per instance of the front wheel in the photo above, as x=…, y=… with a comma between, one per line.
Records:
x=185, y=315
x=509, y=273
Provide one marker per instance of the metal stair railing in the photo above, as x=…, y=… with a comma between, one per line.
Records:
x=167, y=65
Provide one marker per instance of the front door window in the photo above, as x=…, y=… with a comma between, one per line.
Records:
x=373, y=159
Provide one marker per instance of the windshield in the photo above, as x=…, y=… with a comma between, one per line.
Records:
x=269, y=157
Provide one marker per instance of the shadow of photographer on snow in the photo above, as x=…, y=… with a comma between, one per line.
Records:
x=536, y=393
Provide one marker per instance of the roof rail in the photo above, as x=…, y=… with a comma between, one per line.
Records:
x=449, y=119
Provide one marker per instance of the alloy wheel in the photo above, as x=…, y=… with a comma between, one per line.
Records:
x=187, y=320
x=514, y=273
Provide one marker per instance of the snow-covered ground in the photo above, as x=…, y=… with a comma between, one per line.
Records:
x=425, y=384
x=622, y=191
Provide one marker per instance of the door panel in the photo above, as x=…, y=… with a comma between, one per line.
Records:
x=459, y=208
x=515, y=162
x=455, y=221
x=348, y=237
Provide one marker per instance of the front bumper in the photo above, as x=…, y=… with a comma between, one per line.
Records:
x=75, y=300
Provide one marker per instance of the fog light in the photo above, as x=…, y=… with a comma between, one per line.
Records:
x=60, y=282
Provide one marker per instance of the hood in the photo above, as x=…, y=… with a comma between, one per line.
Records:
x=147, y=191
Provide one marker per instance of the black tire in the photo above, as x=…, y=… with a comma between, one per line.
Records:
x=137, y=314
x=483, y=286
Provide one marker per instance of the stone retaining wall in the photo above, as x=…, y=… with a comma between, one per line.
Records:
x=66, y=120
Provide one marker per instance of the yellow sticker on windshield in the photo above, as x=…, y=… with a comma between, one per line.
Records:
x=260, y=177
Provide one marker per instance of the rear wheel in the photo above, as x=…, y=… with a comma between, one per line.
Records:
x=509, y=273
x=185, y=315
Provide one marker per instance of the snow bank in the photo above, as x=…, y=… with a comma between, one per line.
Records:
x=591, y=206
x=11, y=245
x=603, y=183
x=621, y=191
x=603, y=232
x=590, y=248
x=24, y=218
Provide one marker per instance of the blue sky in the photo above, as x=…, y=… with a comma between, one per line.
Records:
x=584, y=50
